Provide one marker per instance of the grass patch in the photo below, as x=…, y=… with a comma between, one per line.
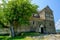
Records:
x=30, y=34
x=22, y=37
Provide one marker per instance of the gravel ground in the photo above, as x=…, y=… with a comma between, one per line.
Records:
x=47, y=37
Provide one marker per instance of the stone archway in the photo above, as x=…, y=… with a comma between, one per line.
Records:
x=41, y=28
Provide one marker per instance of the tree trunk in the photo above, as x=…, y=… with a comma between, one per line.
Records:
x=12, y=31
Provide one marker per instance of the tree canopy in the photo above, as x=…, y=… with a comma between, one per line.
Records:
x=19, y=11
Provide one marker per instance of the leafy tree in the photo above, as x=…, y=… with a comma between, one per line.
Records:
x=3, y=20
x=18, y=11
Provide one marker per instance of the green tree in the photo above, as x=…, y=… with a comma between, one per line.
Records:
x=3, y=20
x=18, y=11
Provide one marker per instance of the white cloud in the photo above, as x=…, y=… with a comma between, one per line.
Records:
x=57, y=25
x=0, y=1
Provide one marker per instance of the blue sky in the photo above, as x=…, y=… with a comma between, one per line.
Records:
x=54, y=5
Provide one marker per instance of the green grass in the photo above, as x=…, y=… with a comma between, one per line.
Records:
x=24, y=36
x=4, y=37
x=30, y=34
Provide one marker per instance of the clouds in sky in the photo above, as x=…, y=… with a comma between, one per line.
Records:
x=57, y=25
x=0, y=1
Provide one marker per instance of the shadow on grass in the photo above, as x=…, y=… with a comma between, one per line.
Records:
x=24, y=35
x=17, y=37
x=1, y=38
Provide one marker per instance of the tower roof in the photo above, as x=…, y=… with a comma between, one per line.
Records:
x=47, y=7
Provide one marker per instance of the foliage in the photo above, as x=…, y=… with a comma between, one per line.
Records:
x=19, y=11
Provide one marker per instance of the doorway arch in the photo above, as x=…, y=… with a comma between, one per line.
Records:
x=41, y=28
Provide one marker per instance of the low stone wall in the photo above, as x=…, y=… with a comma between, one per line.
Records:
x=4, y=31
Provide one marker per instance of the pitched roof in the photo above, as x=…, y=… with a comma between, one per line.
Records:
x=46, y=8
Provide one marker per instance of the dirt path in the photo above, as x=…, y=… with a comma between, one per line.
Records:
x=47, y=37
